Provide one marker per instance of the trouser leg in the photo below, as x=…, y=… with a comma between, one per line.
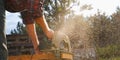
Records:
x=3, y=44
x=3, y=52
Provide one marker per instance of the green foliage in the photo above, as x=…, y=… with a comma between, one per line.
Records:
x=113, y=58
x=105, y=30
x=38, y=30
x=86, y=7
x=56, y=10
x=109, y=51
x=105, y=35
x=20, y=29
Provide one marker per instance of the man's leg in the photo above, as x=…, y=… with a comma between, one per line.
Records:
x=43, y=24
x=3, y=44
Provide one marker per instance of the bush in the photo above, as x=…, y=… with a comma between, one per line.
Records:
x=108, y=52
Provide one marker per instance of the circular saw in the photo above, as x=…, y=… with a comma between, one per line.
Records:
x=61, y=42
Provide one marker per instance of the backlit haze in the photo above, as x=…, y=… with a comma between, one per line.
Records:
x=107, y=6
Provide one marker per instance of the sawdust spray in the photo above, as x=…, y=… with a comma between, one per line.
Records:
x=78, y=30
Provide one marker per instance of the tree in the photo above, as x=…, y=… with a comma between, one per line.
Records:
x=101, y=29
x=115, y=19
x=56, y=10
x=20, y=29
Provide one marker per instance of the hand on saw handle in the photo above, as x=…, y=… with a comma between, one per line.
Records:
x=50, y=34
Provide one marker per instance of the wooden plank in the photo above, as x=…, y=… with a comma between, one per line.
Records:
x=67, y=56
x=43, y=56
x=46, y=56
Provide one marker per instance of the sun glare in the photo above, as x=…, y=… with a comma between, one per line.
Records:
x=104, y=6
